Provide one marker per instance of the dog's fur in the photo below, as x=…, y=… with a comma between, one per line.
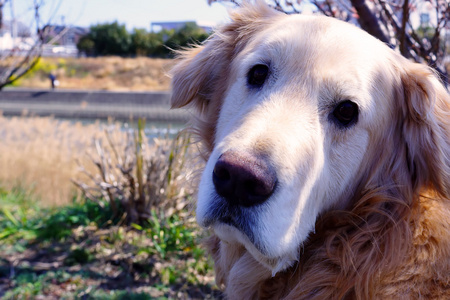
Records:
x=361, y=211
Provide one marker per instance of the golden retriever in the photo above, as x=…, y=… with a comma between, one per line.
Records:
x=328, y=160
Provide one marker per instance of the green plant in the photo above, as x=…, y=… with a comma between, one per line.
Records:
x=14, y=215
x=118, y=295
x=60, y=222
x=169, y=234
x=29, y=285
x=22, y=218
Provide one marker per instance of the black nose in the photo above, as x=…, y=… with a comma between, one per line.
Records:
x=243, y=179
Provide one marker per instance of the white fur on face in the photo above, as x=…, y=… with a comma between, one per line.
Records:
x=287, y=121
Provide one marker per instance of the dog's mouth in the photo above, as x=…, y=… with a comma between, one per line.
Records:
x=230, y=231
x=242, y=220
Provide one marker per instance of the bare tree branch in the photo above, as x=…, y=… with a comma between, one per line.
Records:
x=368, y=20
x=404, y=49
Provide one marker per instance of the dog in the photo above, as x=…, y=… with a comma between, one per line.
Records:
x=327, y=170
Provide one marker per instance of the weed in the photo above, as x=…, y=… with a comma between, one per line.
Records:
x=61, y=221
x=14, y=215
x=169, y=234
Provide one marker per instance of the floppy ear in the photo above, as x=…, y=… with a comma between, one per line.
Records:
x=197, y=73
x=201, y=74
x=426, y=128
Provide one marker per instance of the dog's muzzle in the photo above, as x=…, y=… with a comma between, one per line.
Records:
x=243, y=179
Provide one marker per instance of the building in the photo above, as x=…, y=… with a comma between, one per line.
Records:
x=62, y=40
x=158, y=26
x=64, y=35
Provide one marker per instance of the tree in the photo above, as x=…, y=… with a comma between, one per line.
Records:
x=15, y=63
x=109, y=39
x=86, y=45
x=389, y=21
x=144, y=43
x=189, y=34
x=113, y=39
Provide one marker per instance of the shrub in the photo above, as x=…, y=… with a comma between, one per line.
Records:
x=137, y=176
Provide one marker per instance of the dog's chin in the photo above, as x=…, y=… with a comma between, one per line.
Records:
x=231, y=235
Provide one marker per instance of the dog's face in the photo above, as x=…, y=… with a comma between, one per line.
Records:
x=304, y=107
x=296, y=123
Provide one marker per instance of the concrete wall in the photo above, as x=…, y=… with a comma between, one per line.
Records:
x=153, y=106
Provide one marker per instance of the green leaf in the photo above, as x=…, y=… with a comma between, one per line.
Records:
x=7, y=232
x=10, y=216
x=136, y=226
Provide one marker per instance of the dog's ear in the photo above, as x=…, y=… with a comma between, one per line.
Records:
x=196, y=73
x=201, y=73
x=426, y=128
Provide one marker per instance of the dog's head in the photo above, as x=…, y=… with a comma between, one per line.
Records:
x=300, y=115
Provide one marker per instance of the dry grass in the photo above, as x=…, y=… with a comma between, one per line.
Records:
x=102, y=73
x=39, y=154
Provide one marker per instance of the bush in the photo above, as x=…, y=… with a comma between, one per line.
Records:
x=137, y=176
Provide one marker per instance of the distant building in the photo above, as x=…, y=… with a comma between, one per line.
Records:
x=62, y=40
x=65, y=35
x=158, y=26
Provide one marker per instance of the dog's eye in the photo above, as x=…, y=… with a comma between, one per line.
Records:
x=346, y=113
x=257, y=75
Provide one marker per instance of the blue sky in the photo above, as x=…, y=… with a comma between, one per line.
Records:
x=132, y=13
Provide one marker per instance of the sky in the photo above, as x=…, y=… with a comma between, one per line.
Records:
x=132, y=13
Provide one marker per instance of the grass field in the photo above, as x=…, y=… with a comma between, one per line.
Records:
x=101, y=73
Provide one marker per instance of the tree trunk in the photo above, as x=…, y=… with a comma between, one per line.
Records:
x=368, y=20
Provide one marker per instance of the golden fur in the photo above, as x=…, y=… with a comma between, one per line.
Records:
x=391, y=237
